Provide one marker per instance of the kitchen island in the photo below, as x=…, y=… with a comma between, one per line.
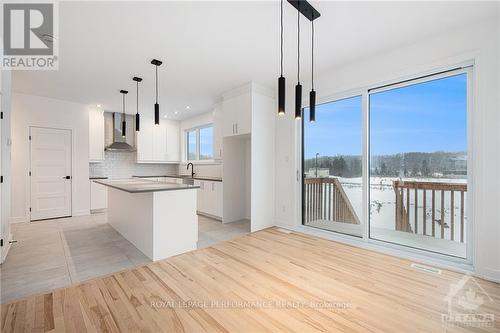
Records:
x=158, y=218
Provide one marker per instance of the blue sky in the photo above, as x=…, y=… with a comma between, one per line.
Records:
x=424, y=117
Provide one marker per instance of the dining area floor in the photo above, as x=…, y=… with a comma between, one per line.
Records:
x=51, y=254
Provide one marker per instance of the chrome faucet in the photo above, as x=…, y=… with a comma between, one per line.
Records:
x=192, y=169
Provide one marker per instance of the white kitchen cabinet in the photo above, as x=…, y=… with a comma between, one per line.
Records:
x=210, y=198
x=218, y=131
x=98, y=196
x=237, y=114
x=173, y=141
x=158, y=143
x=217, y=198
x=96, y=135
x=144, y=140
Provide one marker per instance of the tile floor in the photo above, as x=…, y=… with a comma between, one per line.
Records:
x=212, y=231
x=56, y=253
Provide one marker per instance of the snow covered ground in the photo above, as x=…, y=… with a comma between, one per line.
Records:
x=383, y=201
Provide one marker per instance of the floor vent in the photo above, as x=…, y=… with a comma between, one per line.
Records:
x=285, y=231
x=426, y=269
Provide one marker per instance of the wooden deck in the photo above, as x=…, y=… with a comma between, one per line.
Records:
x=366, y=292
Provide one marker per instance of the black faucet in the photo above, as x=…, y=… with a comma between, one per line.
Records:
x=192, y=169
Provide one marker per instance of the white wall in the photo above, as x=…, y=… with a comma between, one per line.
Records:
x=263, y=161
x=5, y=165
x=479, y=42
x=29, y=110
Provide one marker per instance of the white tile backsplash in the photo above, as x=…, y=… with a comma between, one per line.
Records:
x=122, y=164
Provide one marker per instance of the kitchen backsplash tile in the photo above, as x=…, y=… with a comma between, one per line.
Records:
x=122, y=164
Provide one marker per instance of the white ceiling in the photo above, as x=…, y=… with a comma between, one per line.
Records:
x=211, y=47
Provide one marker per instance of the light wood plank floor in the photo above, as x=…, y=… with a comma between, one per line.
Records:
x=267, y=281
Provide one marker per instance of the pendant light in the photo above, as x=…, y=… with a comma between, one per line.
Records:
x=124, y=123
x=312, y=94
x=305, y=8
x=137, y=116
x=156, y=63
x=298, y=87
x=281, y=79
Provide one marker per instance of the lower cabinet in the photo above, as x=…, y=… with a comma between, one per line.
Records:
x=210, y=198
x=98, y=196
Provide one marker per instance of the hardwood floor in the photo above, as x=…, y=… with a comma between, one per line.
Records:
x=267, y=281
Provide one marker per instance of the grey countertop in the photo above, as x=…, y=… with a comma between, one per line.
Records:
x=142, y=185
x=97, y=177
x=207, y=178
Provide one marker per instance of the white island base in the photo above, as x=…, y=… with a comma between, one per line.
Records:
x=160, y=224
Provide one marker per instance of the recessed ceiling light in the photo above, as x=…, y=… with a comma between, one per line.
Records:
x=99, y=105
x=165, y=116
x=176, y=112
x=188, y=107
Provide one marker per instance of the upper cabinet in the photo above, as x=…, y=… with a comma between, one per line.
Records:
x=96, y=135
x=237, y=106
x=158, y=143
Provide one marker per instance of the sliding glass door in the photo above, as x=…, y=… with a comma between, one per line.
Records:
x=418, y=164
x=397, y=163
x=332, y=167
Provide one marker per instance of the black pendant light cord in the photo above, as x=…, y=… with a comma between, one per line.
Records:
x=312, y=55
x=123, y=102
x=281, y=37
x=298, y=46
x=137, y=103
x=156, y=83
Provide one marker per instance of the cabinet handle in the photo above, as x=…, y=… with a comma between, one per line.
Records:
x=212, y=187
x=236, y=128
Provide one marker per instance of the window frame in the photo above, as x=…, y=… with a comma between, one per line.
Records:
x=466, y=66
x=197, y=129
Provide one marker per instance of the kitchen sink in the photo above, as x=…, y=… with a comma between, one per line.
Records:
x=188, y=181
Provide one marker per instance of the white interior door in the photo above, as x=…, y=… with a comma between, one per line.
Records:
x=50, y=173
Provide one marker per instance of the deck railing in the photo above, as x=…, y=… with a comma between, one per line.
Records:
x=437, y=206
x=325, y=199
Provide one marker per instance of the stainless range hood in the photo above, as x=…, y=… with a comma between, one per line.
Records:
x=119, y=141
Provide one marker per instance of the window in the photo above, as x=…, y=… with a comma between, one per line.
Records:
x=332, y=163
x=191, y=145
x=206, y=143
x=199, y=143
x=418, y=164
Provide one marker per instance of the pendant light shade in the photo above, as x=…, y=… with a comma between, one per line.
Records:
x=156, y=63
x=157, y=114
x=281, y=95
x=298, y=101
x=312, y=94
x=312, y=106
x=137, y=116
x=124, y=122
x=281, y=79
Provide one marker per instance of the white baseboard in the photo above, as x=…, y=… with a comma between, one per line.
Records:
x=18, y=219
x=489, y=274
x=283, y=224
x=81, y=212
